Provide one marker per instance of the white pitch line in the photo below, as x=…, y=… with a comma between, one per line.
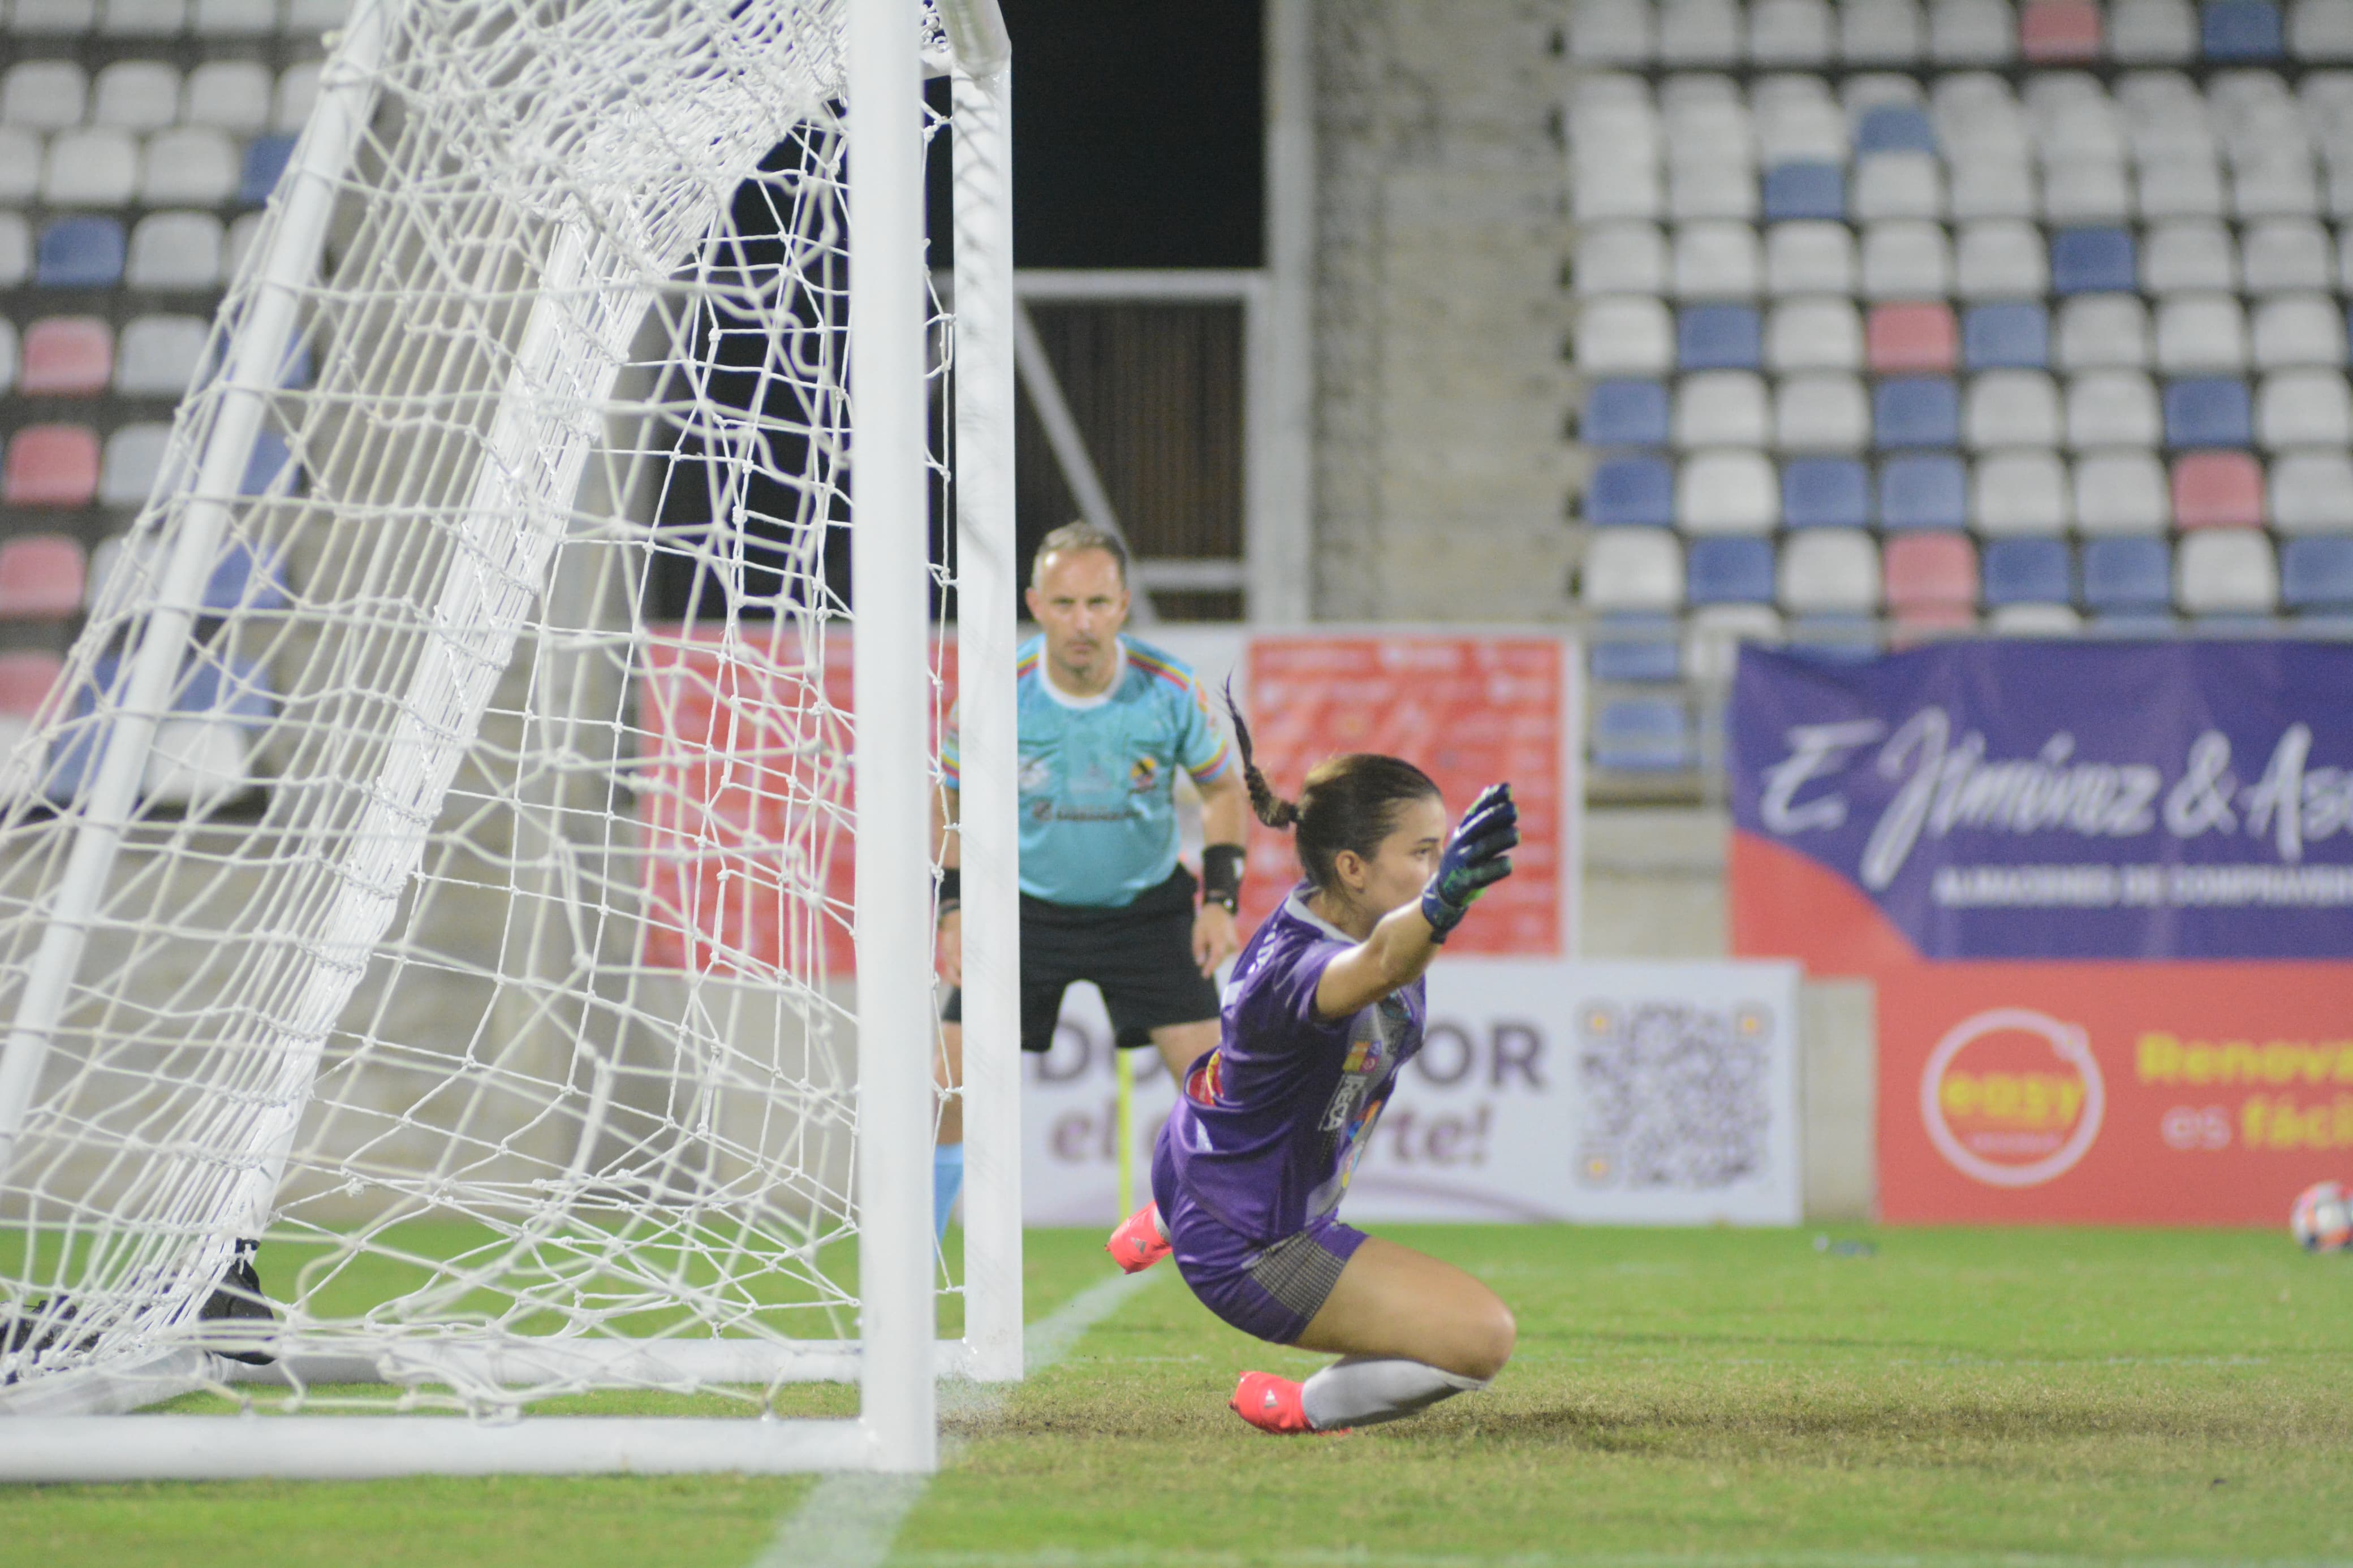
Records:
x=850, y=1519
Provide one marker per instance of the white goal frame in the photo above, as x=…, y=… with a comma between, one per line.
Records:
x=76, y=1425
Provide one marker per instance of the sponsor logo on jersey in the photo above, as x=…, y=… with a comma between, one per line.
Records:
x=1144, y=774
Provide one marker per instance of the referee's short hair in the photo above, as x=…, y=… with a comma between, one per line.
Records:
x=1075, y=536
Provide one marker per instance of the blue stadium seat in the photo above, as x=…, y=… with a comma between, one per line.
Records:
x=1655, y=653
x=265, y=162
x=2317, y=573
x=2209, y=411
x=2094, y=261
x=1931, y=490
x=79, y=253
x=2128, y=575
x=239, y=581
x=2009, y=336
x=1643, y=736
x=1726, y=570
x=1797, y=192
x=1625, y=413
x=1631, y=492
x=2028, y=571
x=1718, y=337
x=2241, y=30
x=1825, y=492
x=1915, y=411
x=262, y=465
x=1894, y=128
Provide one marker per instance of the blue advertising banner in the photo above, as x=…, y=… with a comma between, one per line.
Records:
x=2048, y=800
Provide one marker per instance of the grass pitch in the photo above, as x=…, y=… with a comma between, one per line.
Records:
x=1935, y=1397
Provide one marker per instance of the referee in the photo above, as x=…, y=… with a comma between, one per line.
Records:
x=1104, y=723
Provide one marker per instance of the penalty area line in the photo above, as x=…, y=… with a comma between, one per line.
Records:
x=850, y=1519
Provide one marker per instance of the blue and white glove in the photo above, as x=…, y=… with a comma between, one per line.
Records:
x=1478, y=855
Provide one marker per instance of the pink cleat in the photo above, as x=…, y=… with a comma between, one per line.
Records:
x=1271, y=1404
x=1137, y=1243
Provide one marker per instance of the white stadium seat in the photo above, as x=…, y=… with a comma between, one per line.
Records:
x=136, y=95
x=1993, y=186
x=2010, y=408
x=20, y=164
x=2020, y=492
x=1716, y=631
x=2226, y=571
x=1810, y=131
x=46, y=95
x=1905, y=260
x=2303, y=408
x=194, y=165
x=2112, y=409
x=1829, y=572
x=1621, y=258
x=1977, y=109
x=2152, y=32
x=2320, y=30
x=159, y=355
x=1633, y=569
x=1865, y=90
x=1705, y=189
x=2287, y=256
x=1897, y=185
x=317, y=16
x=1728, y=492
x=1602, y=189
x=134, y=454
x=1813, y=335
x=2121, y=492
x=1699, y=33
x=16, y=249
x=1821, y=411
x=2274, y=184
x=1611, y=33
x=2297, y=330
x=1972, y=32
x=175, y=250
x=53, y=19
x=2189, y=254
x=1720, y=408
x=298, y=91
x=142, y=18
x=2200, y=334
x=1790, y=32
x=2086, y=190
x=1716, y=261
x=2180, y=186
x=235, y=18
x=241, y=232
x=1809, y=257
x=89, y=168
x=1882, y=33
x=2034, y=621
x=230, y=95
x=196, y=763
x=2001, y=259
x=2312, y=492
x=1604, y=126
x=1624, y=337
x=2101, y=331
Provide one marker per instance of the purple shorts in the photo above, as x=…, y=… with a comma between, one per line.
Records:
x=1272, y=1290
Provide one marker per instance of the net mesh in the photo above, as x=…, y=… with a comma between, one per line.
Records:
x=478, y=938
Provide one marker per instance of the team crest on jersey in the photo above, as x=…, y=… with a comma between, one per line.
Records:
x=1037, y=772
x=1144, y=774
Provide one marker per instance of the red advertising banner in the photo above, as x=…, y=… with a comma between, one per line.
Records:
x=1469, y=711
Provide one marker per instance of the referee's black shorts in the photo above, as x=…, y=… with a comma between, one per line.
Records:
x=1140, y=957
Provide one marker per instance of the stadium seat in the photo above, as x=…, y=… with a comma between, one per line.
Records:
x=54, y=18
x=1893, y=186
x=46, y=95
x=2127, y=576
x=1912, y=338
x=2112, y=409
x=234, y=19
x=1621, y=258
x=1794, y=191
x=1722, y=408
x=1813, y=335
x=41, y=577
x=16, y=249
x=230, y=95
x=1718, y=337
x=1710, y=190
x=2059, y=32
x=194, y=165
x=1926, y=570
x=1821, y=411
x=50, y=466
x=1621, y=337
x=2180, y=185
x=175, y=252
x=2312, y=492
x=1828, y=572
x=2020, y=492
x=1704, y=120
x=1712, y=650
x=1808, y=258
x=1611, y=33
x=2152, y=32
x=268, y=460
x=67, y=356
x=1800, y=131
x=2034, y=621
x=2001, y=260
x=2189, y=255
x=2010, y=408
x=2011, y=336
x=1905, y=260
x=134, y=454
x=93, y=167
x=79, y=253
x=20, y=164
x=142, y=18
x=2299, y=330
x=2121, y=492
x=1629, y=492
x=2226, y=574
x=1607, y=189
x=1825, y=492
x=136, y=95
x=1643, y=736
x=1635, y=648
x=1972, y=32
x=2274, y=184
x=2303, y=408
x=1989, y=186
x=160, y=355
x=27, y=679
x=2320, y=31
x=2316, y=574
x=2093, y=261
x=2217, y=490
x=1728, y=492
x=1632, y=569
x=8, y=355
x=1915, y=411
x=1625, y=413
x=2029, y=572
x=1925, y=491
x=2201, y=334
x=1729, y=571
x=1716, y=261
x=1894, y=128
x=2207, y=411
x=2102, y=331
x=2239, y=31
x=2287, y=256
x=2086, y=191
x=1699, y=33
x=266, y=158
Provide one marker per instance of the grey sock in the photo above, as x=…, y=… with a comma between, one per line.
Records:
x=1364, y=1391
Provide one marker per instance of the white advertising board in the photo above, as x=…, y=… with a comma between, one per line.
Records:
x=1631, y=1093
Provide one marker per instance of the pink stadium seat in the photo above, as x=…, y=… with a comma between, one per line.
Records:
x=51, y=465
x=2218, y=490
x=1912, y=338
x=2059, y=32
x=26, y=680
x=68, y=356
x=1927, y=570
x=41, y=577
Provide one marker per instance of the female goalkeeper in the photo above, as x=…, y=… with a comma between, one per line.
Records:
x=1325, y=1005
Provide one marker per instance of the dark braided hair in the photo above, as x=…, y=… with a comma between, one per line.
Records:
x=1349, y=802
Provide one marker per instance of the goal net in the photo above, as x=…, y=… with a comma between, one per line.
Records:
x=465, y=915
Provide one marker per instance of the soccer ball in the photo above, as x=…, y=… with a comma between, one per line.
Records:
x=2323, y=1217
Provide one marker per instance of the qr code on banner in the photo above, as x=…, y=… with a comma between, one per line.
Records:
x=1673, y=1096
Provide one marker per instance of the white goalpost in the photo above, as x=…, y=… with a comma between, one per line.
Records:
x=466, y=915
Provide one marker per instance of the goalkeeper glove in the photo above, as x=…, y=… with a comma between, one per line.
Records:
x=1476, y=857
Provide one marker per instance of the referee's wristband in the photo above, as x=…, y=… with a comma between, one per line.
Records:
x=1221, y=875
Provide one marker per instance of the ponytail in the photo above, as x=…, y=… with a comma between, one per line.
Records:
x=1265, y=804
x=1349, y=802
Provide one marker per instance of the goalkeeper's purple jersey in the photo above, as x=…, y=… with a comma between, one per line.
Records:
x=1273, y=1122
